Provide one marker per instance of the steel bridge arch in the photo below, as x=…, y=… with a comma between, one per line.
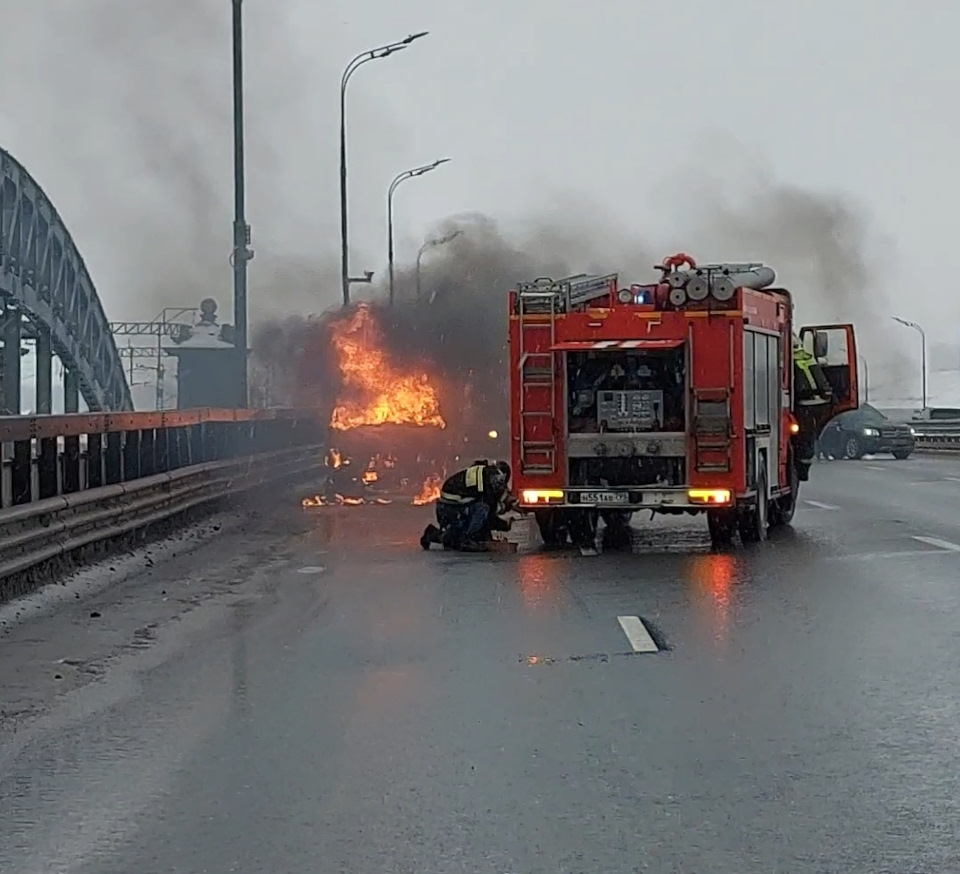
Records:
x=42, y=274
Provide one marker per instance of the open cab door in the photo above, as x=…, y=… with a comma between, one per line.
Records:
x=835, y=348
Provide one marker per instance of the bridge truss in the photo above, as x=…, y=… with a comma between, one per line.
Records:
x=48, y=295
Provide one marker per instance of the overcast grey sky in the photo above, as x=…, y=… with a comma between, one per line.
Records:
x=635, y=116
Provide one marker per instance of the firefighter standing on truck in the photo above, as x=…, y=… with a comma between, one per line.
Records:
x=812, y=395
x=469, y=507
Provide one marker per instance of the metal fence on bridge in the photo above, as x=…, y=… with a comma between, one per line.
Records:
x=74, y=481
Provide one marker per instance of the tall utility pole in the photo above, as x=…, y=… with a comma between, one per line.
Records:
x=402, y=177
x=242, y=253
x=923, y=355
x=351, y=68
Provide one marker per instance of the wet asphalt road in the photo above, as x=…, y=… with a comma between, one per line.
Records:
x=314, y=693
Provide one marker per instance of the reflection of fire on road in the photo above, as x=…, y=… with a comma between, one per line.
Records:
x=375, y=391
x=429, y=491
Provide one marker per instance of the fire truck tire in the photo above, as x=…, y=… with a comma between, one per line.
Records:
x=582, y=525
x=722, y=525
x=616, y=519
x=755, y=518
x=553, y=529
x=783, y=509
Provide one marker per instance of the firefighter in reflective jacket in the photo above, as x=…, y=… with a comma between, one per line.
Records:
x=812, y=399
x=469, y=506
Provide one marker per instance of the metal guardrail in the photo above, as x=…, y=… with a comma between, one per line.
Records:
x=936, y=435
x=73, y=481
x=46, y=456
x=42, y=531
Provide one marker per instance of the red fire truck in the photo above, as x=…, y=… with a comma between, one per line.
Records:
x=674, y=397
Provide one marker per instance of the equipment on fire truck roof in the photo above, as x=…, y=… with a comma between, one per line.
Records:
x=560, y=295
x=720, y=281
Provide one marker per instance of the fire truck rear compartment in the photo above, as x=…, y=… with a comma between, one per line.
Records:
x=626, y=418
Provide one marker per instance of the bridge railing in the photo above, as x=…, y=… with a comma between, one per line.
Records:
x=48, y=456
x=75, y=483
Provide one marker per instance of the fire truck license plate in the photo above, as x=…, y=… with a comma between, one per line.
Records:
x=604, y=498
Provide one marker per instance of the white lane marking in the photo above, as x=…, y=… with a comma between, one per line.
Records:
x=936, y=541
x=874, y=467
x=821, y=506
x=637, y=634
x=885, y=556
x=312, y=569
x=953, y=479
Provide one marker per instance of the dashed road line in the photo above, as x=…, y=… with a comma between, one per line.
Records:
x=874, y=467
x=953, y=479
x=885, y=556
x=937, y=542
x=312, y=569
x=637, y=634
x=821, y=506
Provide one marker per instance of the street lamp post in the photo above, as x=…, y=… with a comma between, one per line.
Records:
x=402, y=177
x=242, y=253
x=361, y=59
x=866, y=379
x=428, y=244
x=923, y=354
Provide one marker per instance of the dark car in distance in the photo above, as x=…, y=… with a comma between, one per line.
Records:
x=866, y=431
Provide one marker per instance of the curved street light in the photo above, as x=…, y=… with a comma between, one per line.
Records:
x=402, y=177
x=923, y=354
x=354, y=65
x=429, y=244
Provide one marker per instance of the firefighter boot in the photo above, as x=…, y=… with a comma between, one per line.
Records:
x=431, y=534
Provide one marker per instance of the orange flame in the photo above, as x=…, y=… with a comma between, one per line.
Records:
x=334, y=459
x=340, y=501
x=370, y=476
x=378, y=392
x=429, y=491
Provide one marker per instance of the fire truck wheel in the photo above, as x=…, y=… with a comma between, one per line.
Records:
x=754, y=519
x=553, y=529
x=616, y=519
x=783, y=509
x=722, y=524
x=582, y=525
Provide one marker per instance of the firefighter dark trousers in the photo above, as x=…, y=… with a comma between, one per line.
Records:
x=461, y=523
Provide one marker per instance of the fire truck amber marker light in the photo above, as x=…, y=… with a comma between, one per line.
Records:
x=541, y=496
x=709, y=496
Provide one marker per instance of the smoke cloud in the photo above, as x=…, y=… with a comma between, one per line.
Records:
x=142, y=91
x=454, y=318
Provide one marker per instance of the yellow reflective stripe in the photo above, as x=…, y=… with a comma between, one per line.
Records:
x=475, y=477
x=454, y=499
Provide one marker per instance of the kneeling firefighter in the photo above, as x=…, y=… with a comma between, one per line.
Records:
x=812, y=401
x=469, y=506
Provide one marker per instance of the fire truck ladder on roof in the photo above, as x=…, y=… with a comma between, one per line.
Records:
x=538, y=304
x=561, y=295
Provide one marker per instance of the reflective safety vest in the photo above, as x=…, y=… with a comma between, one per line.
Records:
x=814, y=387
x=470, y=491
x=803, y=361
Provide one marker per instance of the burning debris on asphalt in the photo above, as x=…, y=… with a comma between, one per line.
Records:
x=429, y=491
x=344, y=487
